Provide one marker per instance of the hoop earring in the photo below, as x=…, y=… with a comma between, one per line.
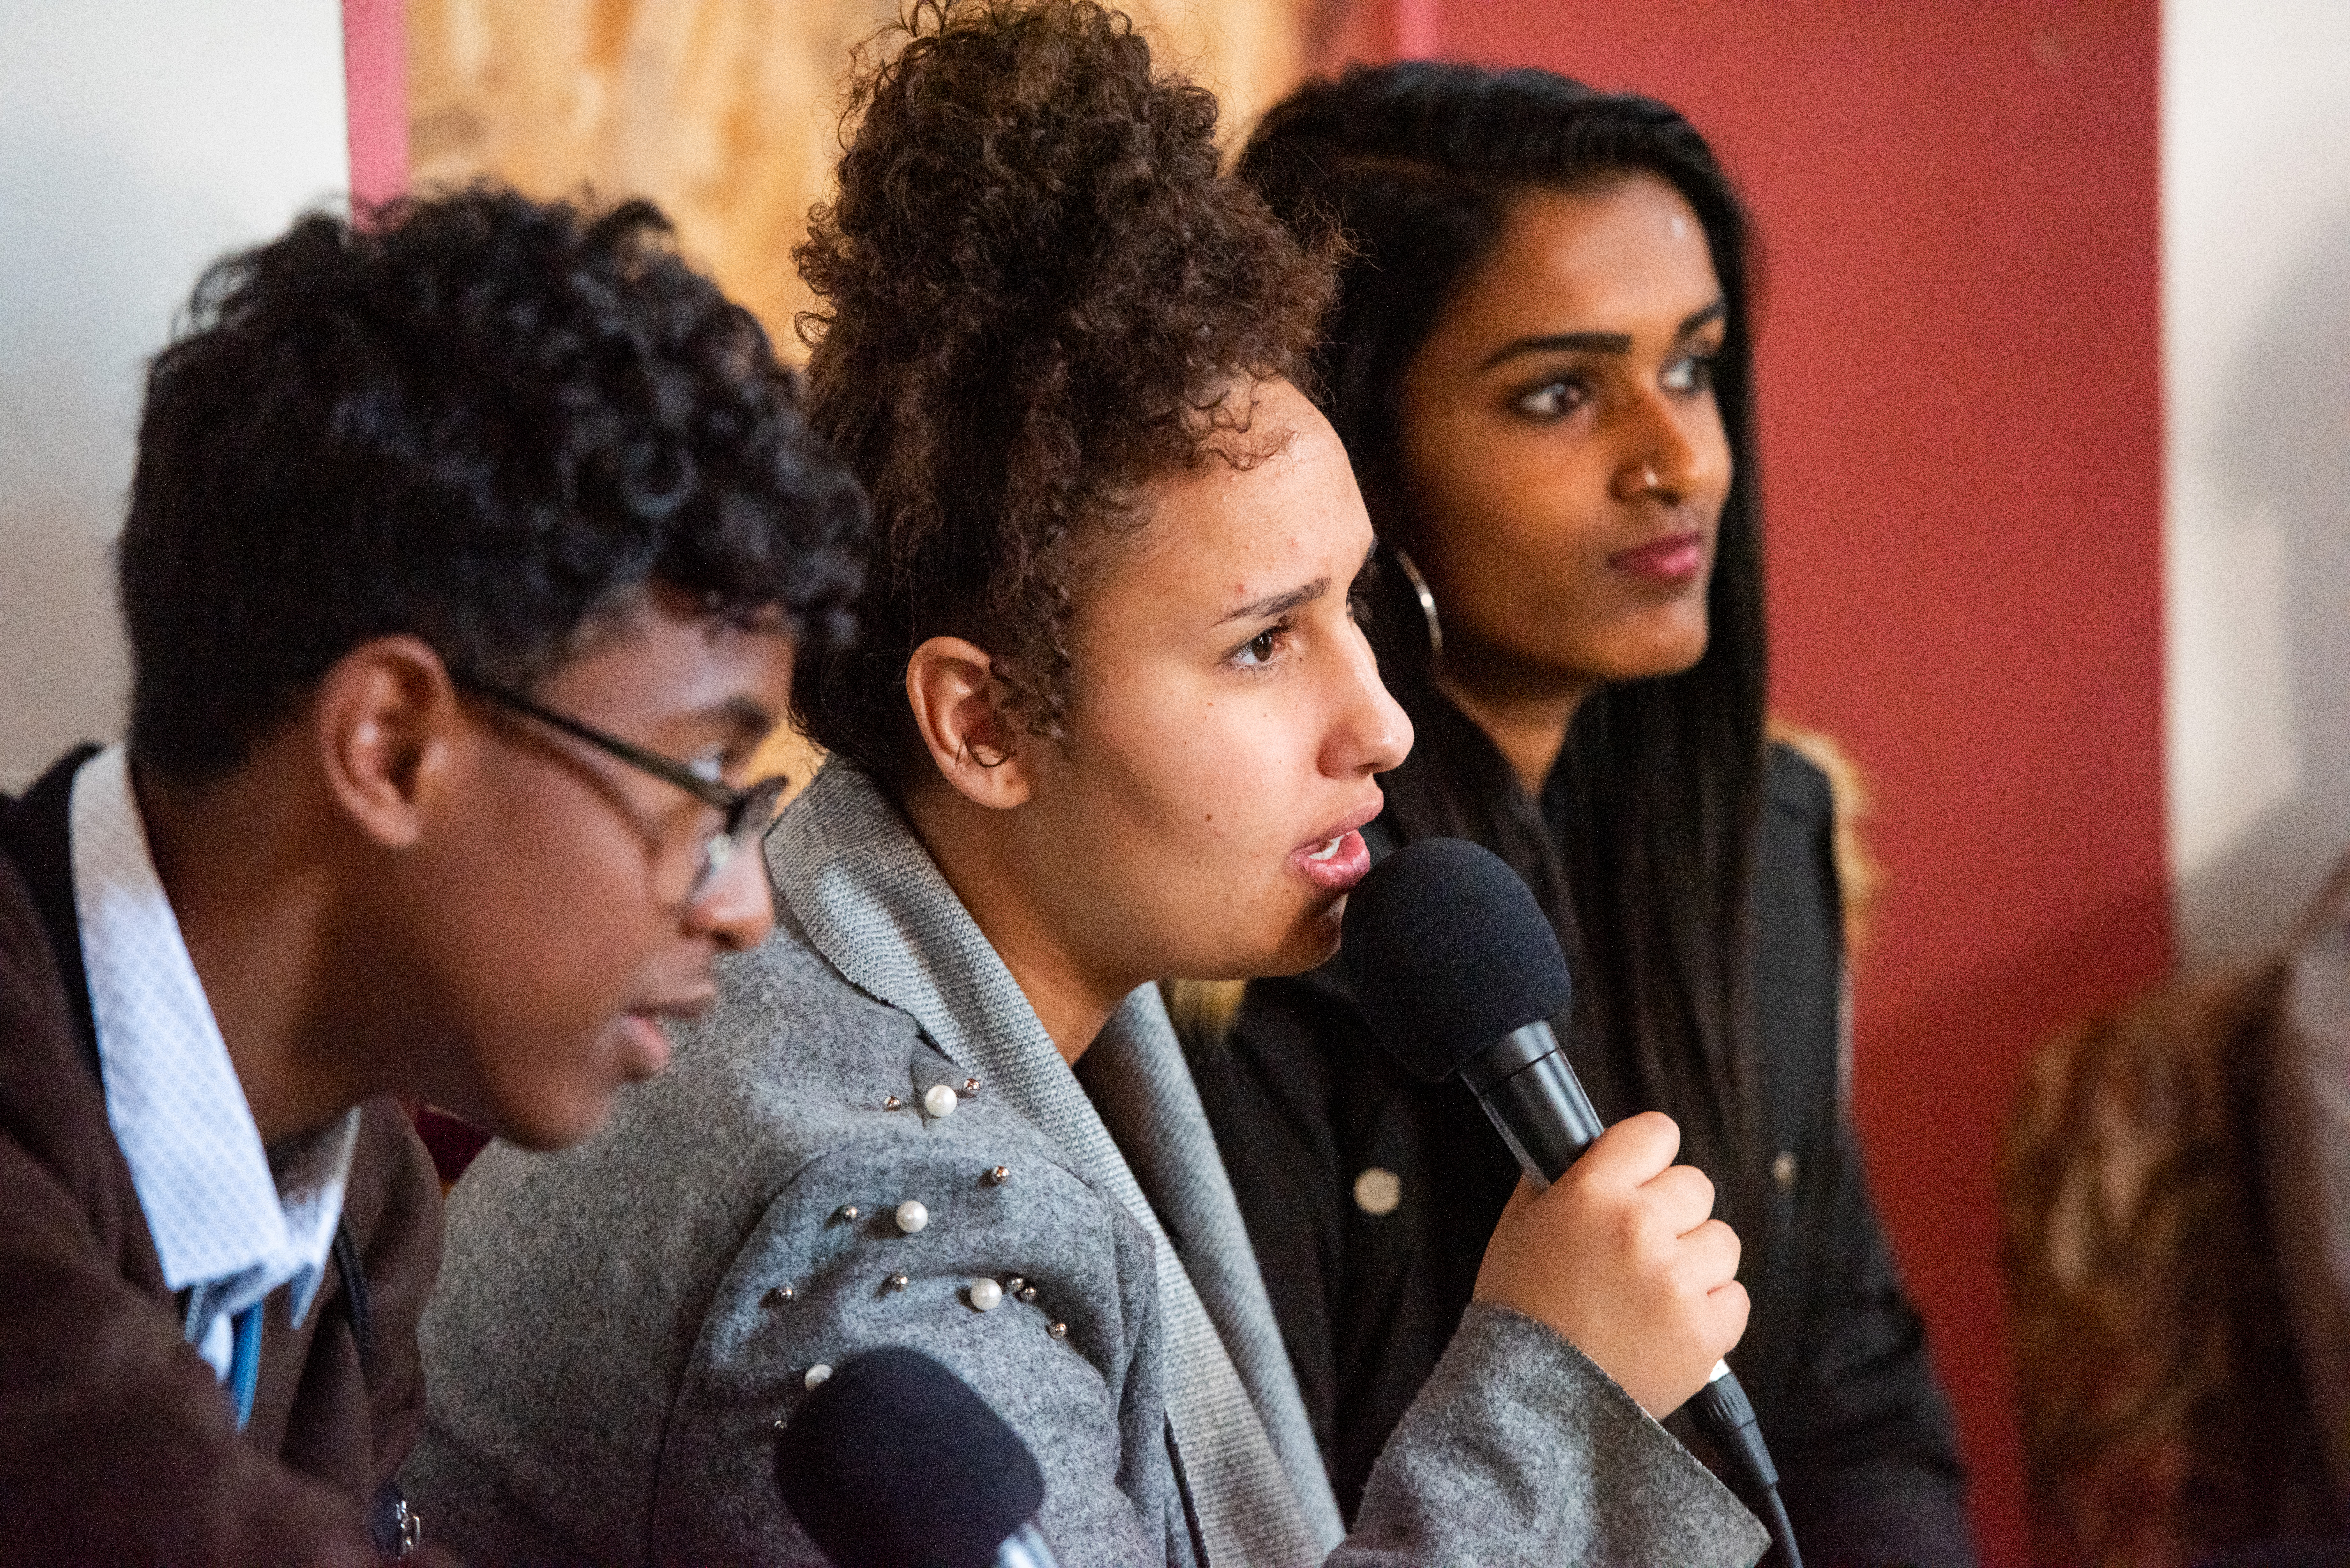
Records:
x=1427, y=597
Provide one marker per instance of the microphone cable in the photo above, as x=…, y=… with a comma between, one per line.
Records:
x=1722, y=1408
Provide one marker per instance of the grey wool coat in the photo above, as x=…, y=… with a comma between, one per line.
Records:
x=620, y=1329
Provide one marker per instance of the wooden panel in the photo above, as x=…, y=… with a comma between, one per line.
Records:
x=724, y=112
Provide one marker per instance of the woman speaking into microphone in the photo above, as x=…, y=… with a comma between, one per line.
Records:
x=1540, y=365
x=1109, y=718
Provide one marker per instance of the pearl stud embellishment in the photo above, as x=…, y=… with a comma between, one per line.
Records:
x=913, y=1216
x=939, y=1100
x=986, y=1295
x=816, y=1375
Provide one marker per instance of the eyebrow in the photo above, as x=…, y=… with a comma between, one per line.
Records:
x=740, y=713
x=1282, y=603
x=1595, y=342
x=1271, y=605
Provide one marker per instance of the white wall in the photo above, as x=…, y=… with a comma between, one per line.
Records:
x=138, y=139
x=2256, y=326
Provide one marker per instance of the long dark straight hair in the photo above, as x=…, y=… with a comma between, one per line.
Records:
x=1420, y=164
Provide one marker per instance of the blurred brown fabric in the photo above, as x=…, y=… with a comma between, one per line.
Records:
x=2164, y=1190
x=2305, y=1155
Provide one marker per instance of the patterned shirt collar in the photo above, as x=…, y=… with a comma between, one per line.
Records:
x=229, y=1217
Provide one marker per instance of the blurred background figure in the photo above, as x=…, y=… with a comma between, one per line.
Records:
x=2177, y=1197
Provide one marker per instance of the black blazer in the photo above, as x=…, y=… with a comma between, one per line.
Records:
x=1304, y=1101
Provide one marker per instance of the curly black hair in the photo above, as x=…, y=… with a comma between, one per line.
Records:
x=1038, y=292
x=481, y=420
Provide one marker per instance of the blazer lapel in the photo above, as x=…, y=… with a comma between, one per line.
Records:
x=36, y=832
x=1136, y=1076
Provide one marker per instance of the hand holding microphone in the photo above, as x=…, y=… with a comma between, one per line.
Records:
x=1606, y=1241
x=1652, y=1295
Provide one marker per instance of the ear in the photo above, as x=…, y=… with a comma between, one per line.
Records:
x=387, y=721
x=958, y=706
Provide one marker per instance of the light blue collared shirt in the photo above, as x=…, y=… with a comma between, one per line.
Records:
x=230, y=1218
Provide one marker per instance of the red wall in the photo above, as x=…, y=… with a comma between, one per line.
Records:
x=1962, y=441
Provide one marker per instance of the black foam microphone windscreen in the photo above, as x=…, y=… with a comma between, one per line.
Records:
x=895, y=1462
x=1448, y=953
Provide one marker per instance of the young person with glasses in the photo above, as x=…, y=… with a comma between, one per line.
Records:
x=467, y=557
x=1108, y=716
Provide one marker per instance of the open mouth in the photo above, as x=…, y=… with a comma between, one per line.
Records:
x=1336, y=863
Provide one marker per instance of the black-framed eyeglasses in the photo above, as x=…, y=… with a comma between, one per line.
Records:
x=744, y=812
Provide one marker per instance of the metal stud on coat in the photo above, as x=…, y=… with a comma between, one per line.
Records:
x=997, y=1176
x=899, y=1282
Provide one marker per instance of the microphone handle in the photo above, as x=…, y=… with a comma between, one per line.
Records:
x=1535, y=1100
x=1536, y=1103
x=1026, y=1548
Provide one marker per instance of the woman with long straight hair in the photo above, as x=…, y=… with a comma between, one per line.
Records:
x=1108, y=716
x=1540, y=366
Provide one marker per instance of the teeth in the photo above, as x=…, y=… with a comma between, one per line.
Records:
x=1329, y=851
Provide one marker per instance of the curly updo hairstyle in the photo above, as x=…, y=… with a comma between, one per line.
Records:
x=1660, y=786
x=1037, y=293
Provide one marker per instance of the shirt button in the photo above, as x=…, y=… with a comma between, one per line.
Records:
x=1783, y=1169
x=1378, y=1191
